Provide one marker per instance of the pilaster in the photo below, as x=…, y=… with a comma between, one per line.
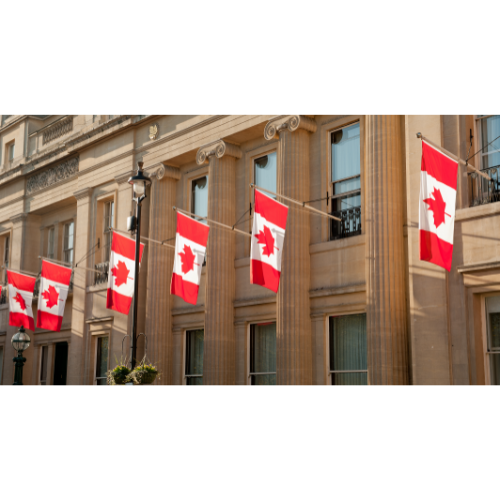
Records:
x=387, y=336
x=293, y=322
x=219, y=343
x=161, y=262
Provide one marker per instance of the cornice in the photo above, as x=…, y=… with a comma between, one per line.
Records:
x=122, y=178
x=218, y=149
x=160, y=170
x=19, y=218
x=290, y=123
x=83, y=193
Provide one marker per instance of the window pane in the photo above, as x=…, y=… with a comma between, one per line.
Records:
x=102, y=357
x=194, y=381
x=265, y=172
x=1, y=363
x=345, y=152
x=495, y=369
x=6, y=251
x=263, y=353
x=348, y=347
x=200, y=198
x=194, y=355
x=349, y=378
x=11, y=152
x=490, y=128
x=50, y=249
x=493, y=322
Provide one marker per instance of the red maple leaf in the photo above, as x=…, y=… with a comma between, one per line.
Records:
x=120, y=272
x=187, y=258
x=438, y=206
x=51, y=296
x=19, y=299
x=266, y=238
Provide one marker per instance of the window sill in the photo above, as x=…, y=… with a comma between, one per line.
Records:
x=344, y=243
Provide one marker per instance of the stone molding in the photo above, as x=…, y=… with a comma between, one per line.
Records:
x=82, y=193
x=288, y=122
x=52, y=175
x=19, y=218
x=122, y=178
x=218, y=149
x=58, y=129
x=160, y=170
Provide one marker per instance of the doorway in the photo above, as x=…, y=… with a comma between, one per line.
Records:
x=61, y=363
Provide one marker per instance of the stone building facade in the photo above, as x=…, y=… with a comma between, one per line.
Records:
x=355, y=304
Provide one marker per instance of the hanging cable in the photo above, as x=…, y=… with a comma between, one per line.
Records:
x=482, y=148
x=86, y=256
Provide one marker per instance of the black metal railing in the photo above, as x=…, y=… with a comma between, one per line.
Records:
x=102, y=275
x=483, y=191
x=3, y=295
x=350, y=224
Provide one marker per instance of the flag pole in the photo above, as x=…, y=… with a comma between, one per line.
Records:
x=144, y=238
x=73, y=268
x=20, y=271
x=225, y=226
x=456, y=158
x=300, y=203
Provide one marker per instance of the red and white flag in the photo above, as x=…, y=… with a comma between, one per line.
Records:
x=121, y=273
x=190, y=247
x=268, y=235
x=54, y=288
x=21, y=289
x=438, y=193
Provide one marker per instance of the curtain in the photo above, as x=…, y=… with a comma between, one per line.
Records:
x=348, y=349
x=263, y=353
x=265, y=172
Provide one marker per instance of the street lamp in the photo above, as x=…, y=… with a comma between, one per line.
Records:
x=20, y=342
x=139, y=182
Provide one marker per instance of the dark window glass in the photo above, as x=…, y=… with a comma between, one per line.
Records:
x=43, y=367
x=102, y=360
x=348, y=354
x=194, y=357
x=263, y=354
x=493, y=328
x=346, y=182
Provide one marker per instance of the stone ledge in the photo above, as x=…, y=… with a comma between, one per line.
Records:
x=188, y=310
x=479, y=211
x=327, y=246
x=256, y=301
x=479, y=267
x=341, y=290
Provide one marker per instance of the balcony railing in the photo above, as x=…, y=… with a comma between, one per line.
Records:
x=102, y=275
x=483, y=191
x=350, y=225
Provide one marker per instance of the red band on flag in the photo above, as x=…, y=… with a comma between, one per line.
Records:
x=54, y=272
x=192, y=230
x=48, y=321
x=274, y=211
x=20, y=281
x=18, y=319
x=439, y=166
x=435, y=250
x=185, y=289
x=118, y=302
x=125, y=246
x=264, y=275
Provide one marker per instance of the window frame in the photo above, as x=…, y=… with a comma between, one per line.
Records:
x=51, y=231
x=488, y=352
x=330, y=182
x=185, y=375
x=254, y=166
x=96, y=356
x=72, y=249
x=6, y=248
x=41, y=366
x=249, y=344
x=479, y=134
x=329, y=371
x=2, y=356
x=107, y=234
x=192, y=197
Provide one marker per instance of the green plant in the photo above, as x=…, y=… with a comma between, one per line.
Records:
x=144, y=373
x=119, y=374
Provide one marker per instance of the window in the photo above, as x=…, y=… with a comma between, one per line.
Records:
x=6, y=251
x=348, y=353
x=265, y=172
x=43, y=364
x=11, y=148
x=101, y=361
x=346, y=182
x=50, y=243
x=194, y=357
x=1, y=364
x=263, y=354
x=69, y=230
x=490, y=129
x=493, y=332
x=109, y=217
x=199, y=198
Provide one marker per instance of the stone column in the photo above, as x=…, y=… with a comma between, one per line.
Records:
x=219, y=343
x=77, y=351
x=161, y=262
x=384, y=214
x=293, y=325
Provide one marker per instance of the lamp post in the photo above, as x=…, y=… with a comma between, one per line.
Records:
x=20, y=342
x=139, y=182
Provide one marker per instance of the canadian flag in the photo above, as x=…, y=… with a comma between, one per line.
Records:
x=121, y=273
x=54, y=288
x=268, y=235
x=21, y=289
x=190, y=247
x=438, y=193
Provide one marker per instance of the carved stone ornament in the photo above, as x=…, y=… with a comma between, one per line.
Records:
x=218, y=149
x=60, y=128
x=291, y=123
x=154, y=131
x=169, y=171
x=52, y=175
